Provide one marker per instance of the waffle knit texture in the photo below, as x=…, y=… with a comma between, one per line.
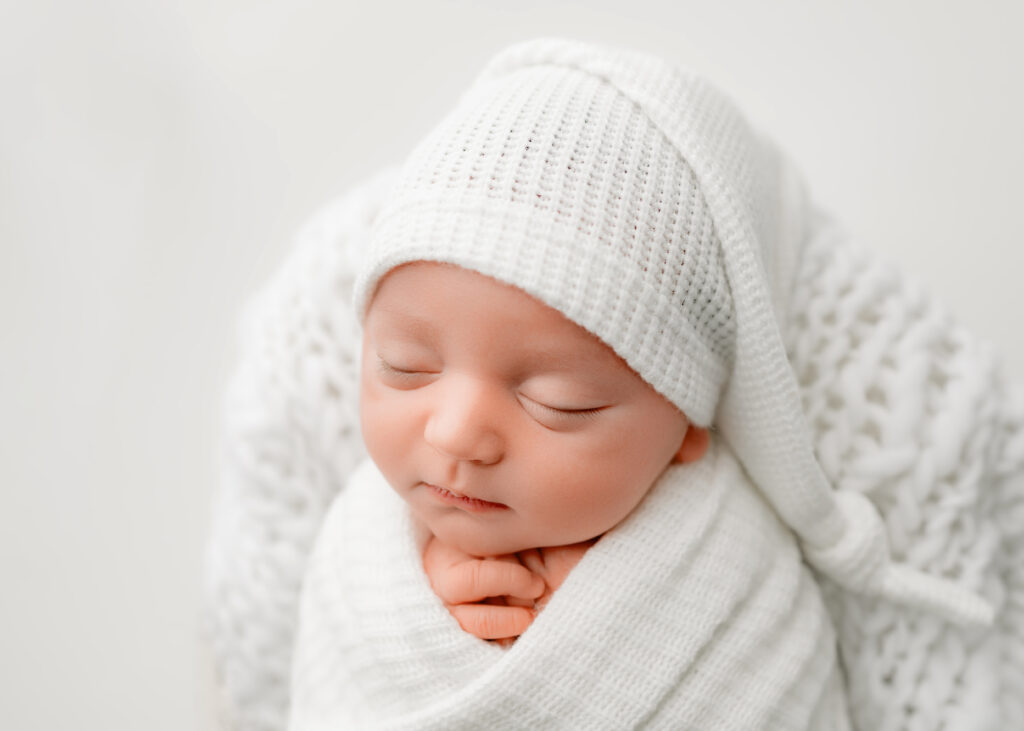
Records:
x=912, y=440
x=552, y=179
x=632, y=197
x=722, y=628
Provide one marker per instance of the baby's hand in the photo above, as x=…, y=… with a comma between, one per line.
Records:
x=553, y=565
x=491, y=598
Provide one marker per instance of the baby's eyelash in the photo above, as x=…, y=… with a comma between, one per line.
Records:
x=582, y=413
x=390, y=370
x=563, y=413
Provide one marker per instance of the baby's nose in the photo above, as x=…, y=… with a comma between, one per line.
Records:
x=465, y=423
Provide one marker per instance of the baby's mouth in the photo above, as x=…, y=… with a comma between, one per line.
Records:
x=470, y=504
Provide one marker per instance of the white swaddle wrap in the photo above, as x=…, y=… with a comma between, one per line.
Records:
x=883, y=433
x=696, y=612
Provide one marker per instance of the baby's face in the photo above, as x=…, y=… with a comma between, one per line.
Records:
x=504, y=425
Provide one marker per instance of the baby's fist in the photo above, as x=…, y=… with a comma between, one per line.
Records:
x=491, y=598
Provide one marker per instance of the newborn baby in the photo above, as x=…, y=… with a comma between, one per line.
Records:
x=576, y=273
x=512, y=433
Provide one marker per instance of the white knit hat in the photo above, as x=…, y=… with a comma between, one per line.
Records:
x=550, y=178
x=632, y=197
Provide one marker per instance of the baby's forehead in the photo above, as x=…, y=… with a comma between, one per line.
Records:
x=429, y=299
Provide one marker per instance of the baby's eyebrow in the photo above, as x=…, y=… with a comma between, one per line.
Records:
x=557, y=358
x=409, y=322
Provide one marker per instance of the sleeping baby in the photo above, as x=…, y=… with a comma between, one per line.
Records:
x=585, y=438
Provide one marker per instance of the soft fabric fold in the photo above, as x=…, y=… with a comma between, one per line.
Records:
x=696, y=612
x=883, y=435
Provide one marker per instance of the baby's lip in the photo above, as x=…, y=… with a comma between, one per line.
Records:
x=462, y=500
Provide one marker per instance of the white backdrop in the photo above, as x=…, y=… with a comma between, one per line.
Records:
x=156, y=156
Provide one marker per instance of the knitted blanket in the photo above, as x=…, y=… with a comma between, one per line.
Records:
x=905, y=407
x=695, y=613
x=906, y=411
x=912, y=410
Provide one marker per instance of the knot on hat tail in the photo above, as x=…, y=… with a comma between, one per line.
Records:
x=860, y=555
x=860, y=561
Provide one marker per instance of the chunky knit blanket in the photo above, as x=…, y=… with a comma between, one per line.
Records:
x=905, y=407
x=695, y=613
x=910, y=409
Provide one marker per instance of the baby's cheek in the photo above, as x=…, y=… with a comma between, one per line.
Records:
x=585, y=498
x=385, y=427
x=622, y=478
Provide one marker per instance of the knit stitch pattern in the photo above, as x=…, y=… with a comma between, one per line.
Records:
x=904, y=410
x=553, y=179
x=603, y=282
x=290, y=438
x=911, y=410
x=851, y=315
x=696, y=612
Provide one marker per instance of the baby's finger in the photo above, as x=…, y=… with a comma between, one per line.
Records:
x=490, y=622
x=475, y=580
x=531, y=558
x=511, y=601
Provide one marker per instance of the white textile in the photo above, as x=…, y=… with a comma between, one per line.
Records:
x=695, y=613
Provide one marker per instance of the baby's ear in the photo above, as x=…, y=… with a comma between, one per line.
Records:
x=695, y=444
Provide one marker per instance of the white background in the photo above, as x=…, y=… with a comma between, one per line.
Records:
x=156, y=157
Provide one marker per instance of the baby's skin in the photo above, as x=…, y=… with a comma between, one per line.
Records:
x=505, y=426
x=497, y=598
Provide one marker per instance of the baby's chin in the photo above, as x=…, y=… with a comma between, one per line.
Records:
x=482, y=546
x=493, y=544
